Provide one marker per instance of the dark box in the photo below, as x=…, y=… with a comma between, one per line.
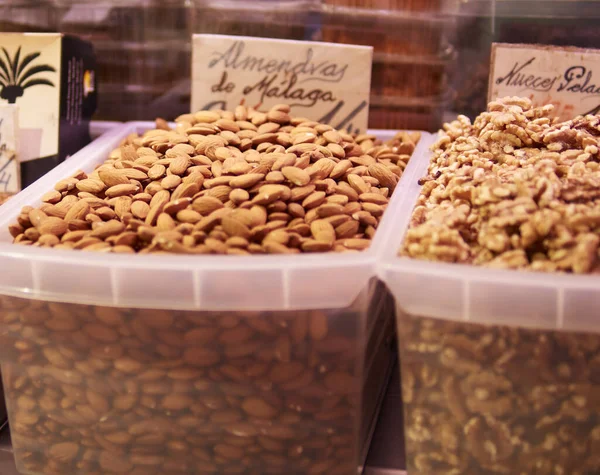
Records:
x=50, y=77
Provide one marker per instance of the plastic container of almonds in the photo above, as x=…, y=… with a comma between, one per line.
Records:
x=154, y=364
x=500, y=369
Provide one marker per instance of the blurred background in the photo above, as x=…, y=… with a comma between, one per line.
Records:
x=431, y=56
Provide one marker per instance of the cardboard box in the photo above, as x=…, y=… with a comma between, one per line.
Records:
x=50, y=78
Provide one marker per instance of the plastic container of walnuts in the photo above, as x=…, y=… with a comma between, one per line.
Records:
x=153, y=364
x=500, y=368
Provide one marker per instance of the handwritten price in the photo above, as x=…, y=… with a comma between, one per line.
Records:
x=345, y=122
x=6, y=176
x=7, y=166
x=6, y=179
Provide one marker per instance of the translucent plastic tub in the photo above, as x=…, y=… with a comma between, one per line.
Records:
x=97, y=128
x=164, y=365
x=500, y=369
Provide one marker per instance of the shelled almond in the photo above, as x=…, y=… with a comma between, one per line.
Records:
x=221, y=182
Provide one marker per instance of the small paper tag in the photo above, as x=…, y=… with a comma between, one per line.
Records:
x=325, y=82
x=10, y=178
x=568, y=78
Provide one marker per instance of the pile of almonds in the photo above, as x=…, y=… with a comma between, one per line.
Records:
x=221, y=182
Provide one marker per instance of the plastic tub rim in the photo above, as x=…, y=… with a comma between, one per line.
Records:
x=28, y=265
x=480, y=294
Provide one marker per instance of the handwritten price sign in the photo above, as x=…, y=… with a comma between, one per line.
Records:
x=10, y=181
x=567, y=77
x=321, y=81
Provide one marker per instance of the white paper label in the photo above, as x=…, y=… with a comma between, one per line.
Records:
x=568, y=78
x=10, y=177
x=325, y=82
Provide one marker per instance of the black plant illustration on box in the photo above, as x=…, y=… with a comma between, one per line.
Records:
x=15, y=78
